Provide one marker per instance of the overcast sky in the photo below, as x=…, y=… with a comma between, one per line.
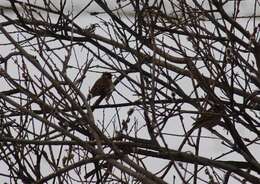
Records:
x=247, y=9
x=247, y=6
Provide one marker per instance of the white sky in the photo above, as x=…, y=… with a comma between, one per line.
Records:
x=213, y=144
x=247, y=5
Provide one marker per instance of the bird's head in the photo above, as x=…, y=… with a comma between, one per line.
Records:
x=107, y=75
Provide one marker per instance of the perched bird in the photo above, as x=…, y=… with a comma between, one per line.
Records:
x=208, y=119
x=102, y=87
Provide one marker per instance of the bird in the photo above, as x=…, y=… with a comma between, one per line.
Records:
x=102, y=87
x=208, y=119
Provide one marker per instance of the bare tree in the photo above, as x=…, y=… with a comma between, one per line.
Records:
x=186, y=83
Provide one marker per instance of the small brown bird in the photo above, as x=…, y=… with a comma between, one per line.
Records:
x=102, y=87
x=208, y=120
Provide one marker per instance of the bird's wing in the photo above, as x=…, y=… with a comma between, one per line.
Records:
x=96, y=87
x=101, y=87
